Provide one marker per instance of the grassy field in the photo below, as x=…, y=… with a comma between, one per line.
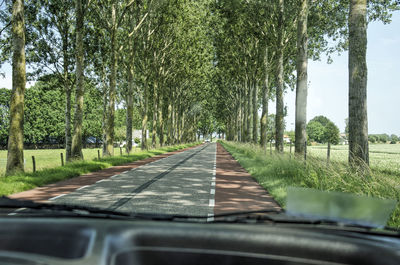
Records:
x=47, y=158
x=383, y=157
x=54, y=172
x=277, y=172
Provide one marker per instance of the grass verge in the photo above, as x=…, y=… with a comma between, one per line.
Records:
x=26, y=181
x=276, y=172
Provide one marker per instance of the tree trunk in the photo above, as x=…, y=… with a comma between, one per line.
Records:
x=240, y=122
x=104, y=121
x=76, y=149
x=178, y=122
x=236, y=122
x=173, y=123
x=183, y=131
x=154, y=121
x=249, y=110
x=68, y=91
x=143, y=145
x=279, y=83
x=68, y=141
x=358, y=120
x=264, y=115
x=301, y=85
x=160, y=121
x=244, y=114
x=255, y=113
x=111, y=95
x=169, y=124
x=129, y=110
x=15, y=155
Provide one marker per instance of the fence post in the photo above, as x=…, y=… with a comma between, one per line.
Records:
x=328, y=153
x=33, y=163
x=62, y=159
x=98, y=154
x=290, y=147
x=120, y=150
x=305, y=150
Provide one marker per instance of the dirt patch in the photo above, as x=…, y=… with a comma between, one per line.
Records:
x=44, y=193
x=236, y=190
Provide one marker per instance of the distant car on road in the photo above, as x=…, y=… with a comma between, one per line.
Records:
x=207, y=140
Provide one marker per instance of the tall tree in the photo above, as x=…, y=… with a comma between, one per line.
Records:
x=265, y=93
x=15, y=155
x=110, y=16
x=358, y=120
x=279, y=80
x=301, y=85
x=53, y=51
x=76, y=148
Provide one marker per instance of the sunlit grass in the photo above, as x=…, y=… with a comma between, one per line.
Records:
x=29, y=180
x=277, y=172
x=45, y=158
x=383, y=157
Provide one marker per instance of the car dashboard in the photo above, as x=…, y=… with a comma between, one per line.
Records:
x=39, y=240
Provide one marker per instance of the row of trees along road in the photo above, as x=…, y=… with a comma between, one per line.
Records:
x=269, y=44
x=188, y=67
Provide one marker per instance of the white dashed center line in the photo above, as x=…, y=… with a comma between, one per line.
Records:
x=212, y=203
x=82, y=187
x=59, y=196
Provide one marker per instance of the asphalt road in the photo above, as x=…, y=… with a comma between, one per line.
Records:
x=183, y=183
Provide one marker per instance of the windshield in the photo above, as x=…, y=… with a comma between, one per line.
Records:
x=201, y=107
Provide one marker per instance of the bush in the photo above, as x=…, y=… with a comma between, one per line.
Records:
x=137, y=140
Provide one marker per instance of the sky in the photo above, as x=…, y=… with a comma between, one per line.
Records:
x=328, y=83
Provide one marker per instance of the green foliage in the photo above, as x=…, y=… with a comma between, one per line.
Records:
x=372, y=138
x=383, y=138
x=5, y=96
x=331, y=134
x=291, y=135
x=321, y=119
x=44, y=113
x=44, y=120
x=321, y=130
x=315, y=131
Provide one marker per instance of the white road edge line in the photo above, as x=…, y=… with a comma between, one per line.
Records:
x=82, y=187
x=213, y=178
x=212, y=191
x=213, y=184
x=16, y=211
x=210, y=217
x=125, y=172
x=212, y=203
x=59, y=196
x=113, y=176
x=101, y=180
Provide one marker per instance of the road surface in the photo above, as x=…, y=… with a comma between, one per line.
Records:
x=183, y=183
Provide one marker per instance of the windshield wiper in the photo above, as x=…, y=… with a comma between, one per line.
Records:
x=258, y=216
x=6, y=202
x=281, y=217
